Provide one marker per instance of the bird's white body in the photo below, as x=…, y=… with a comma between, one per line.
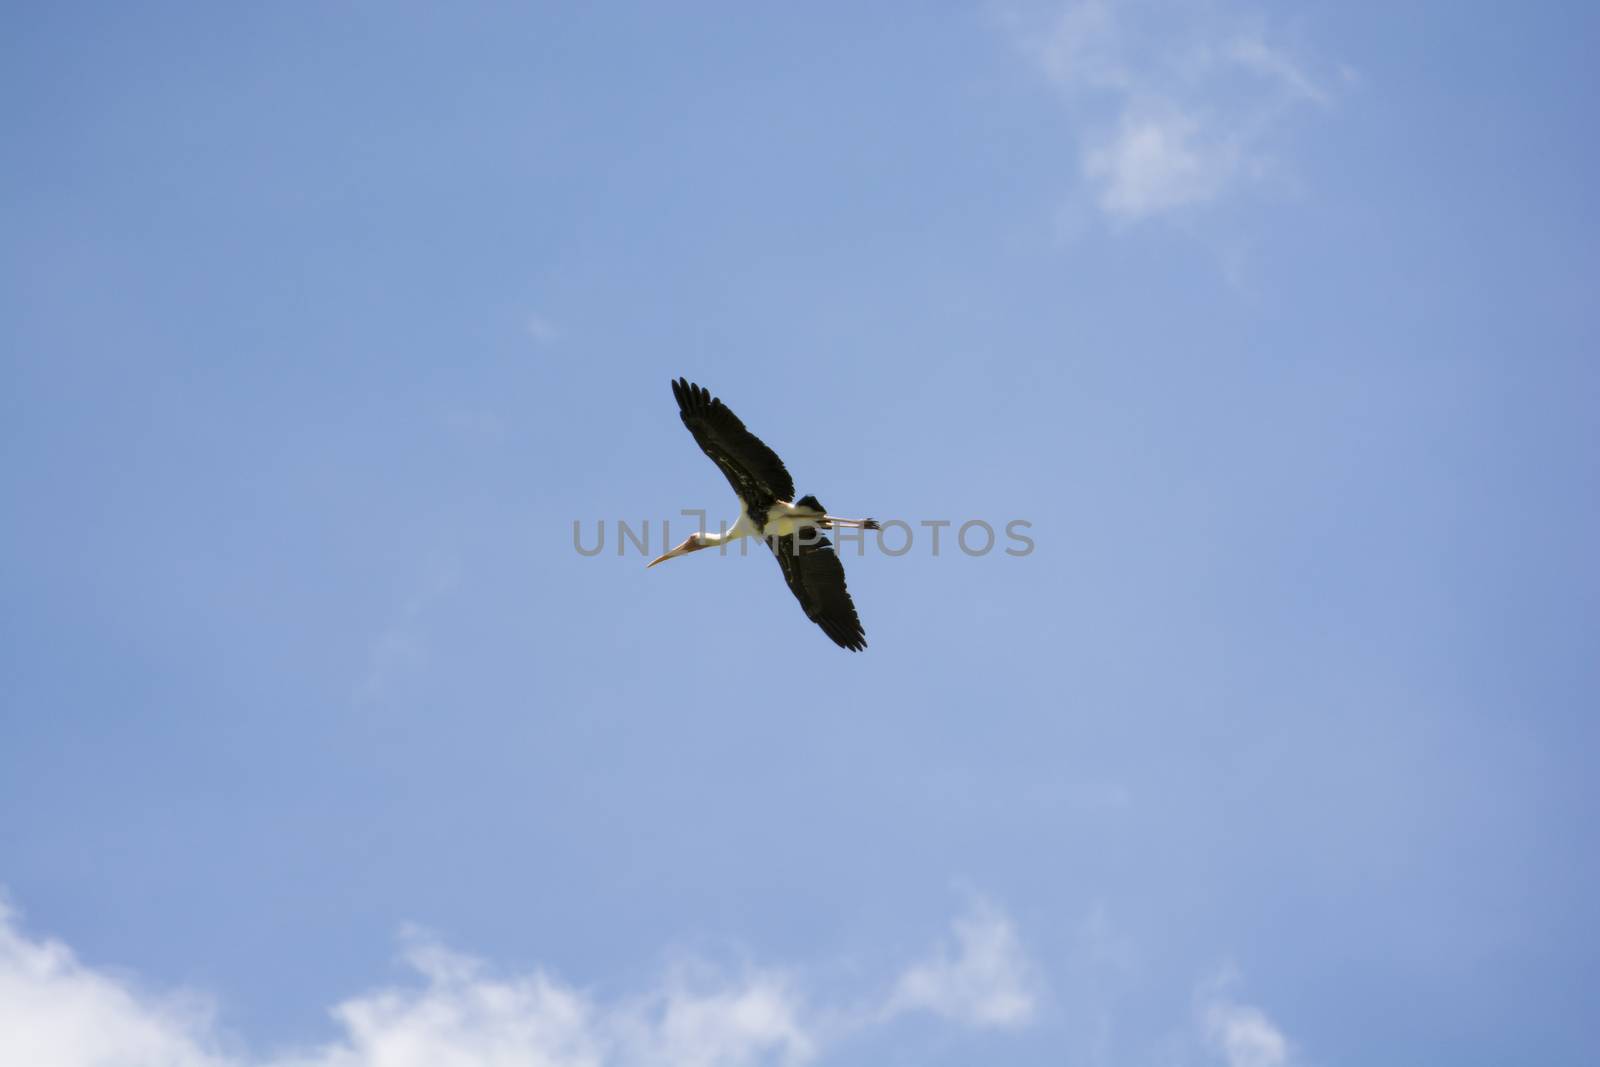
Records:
x=783, y=520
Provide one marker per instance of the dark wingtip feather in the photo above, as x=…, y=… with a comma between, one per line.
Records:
x=690, y=397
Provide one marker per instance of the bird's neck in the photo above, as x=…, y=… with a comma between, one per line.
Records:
x=744, y=527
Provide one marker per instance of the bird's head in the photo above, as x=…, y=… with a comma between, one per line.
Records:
x=692, y=543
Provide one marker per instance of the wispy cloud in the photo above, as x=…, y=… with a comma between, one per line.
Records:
x=1108, y=969
x=1241, y=1034
x=983, y=979
x=56, y=1011
x=1177, y=103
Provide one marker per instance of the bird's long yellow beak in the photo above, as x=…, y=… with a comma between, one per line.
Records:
x=679, y=551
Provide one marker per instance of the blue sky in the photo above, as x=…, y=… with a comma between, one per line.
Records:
x=320, y=325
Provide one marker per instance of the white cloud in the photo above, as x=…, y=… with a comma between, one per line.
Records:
x=757, y=1022
x=986, y=981
x=1156, y=162
x=1177, y=103
x=1241, y=1034
x=56, y=1011
x=465, y=1015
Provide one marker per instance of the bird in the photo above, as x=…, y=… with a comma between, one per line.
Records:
x=768, y=510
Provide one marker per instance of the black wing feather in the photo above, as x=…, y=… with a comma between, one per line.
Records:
x=816, y=577
x=754, y=470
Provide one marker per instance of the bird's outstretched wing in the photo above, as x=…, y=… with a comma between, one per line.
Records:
x=754, y=470
x=816, y=578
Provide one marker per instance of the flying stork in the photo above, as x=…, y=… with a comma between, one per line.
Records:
x=768, y=510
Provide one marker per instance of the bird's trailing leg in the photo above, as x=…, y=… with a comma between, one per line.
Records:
x=810, y=509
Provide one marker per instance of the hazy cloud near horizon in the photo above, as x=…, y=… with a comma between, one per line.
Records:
x=56, y=1011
